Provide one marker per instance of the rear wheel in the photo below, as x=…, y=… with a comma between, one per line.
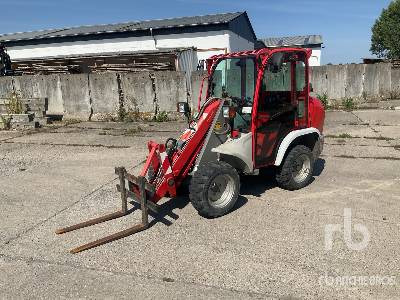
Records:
x=214, y=189
x=296, y=170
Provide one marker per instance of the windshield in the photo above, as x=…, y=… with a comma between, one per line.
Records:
x=234, y=78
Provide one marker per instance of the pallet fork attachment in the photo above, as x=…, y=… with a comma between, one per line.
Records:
x=140, y=197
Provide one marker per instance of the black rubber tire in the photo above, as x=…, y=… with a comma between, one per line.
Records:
x=200, y=184
x=284, y=174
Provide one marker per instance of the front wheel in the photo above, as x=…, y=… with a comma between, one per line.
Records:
x=214, y=189
x=297, y=169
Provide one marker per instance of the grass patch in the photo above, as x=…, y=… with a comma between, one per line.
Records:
x=125, y=132
x=161, y=117
x=133, y=131
x=345, y=156
x=379, y=138
x=71, y=121
x=348, y=104
x=357, y=124
x=394, y=95
x=342, y=136
x=368, y=157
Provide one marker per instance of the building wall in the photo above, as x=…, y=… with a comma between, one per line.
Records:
x=315, y=59
x=237, y=43
x=81, y=47
x=223, y=39
x=200, y=40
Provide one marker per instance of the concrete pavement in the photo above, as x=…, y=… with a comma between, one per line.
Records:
x=271, y=246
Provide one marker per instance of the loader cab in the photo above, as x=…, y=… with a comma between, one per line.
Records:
x=270, y=94
x=281, y=102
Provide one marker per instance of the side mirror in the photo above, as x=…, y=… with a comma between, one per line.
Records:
x=311, y=87
x=183, y=108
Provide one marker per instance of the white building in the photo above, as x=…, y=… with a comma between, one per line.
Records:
x=211, y=34
x=313, y=42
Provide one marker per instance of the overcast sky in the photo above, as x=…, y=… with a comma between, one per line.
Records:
x=344, y=24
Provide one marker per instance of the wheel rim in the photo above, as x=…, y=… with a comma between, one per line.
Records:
x=221, y=190
x=301, y=168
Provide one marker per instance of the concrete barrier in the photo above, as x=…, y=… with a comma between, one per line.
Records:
x=385, y=81
x=90, y=96
x=6, y=87
x=75, y=94
x=41, y=86
x=170, y=89
x=138, y=92
x=337, y=76
x=355, y=81
x=319, y=79
x=361, y=82
x=104, y=95
x=395, y=83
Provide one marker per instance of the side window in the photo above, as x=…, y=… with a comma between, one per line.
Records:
x=250, y=79
x=277, y=81
x=300, y=76
x=276, y=84
x=284, y=81
x=300, y=88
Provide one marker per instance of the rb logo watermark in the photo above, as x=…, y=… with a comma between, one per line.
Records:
x=347, y=229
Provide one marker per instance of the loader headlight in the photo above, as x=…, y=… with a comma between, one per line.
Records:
x=183, y=107
x=225, y=111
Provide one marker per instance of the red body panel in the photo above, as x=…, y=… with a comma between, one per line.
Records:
x=316, y=114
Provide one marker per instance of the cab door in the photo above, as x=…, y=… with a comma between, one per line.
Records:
x=283, y=84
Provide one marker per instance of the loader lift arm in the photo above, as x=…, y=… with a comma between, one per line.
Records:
x=161, y=175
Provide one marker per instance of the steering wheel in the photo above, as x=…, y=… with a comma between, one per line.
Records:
x=241, y=102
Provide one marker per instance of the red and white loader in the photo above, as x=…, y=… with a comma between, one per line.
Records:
x=257, y=113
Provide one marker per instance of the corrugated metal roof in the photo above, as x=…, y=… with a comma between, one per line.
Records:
x=304, y=40
x=123, y=27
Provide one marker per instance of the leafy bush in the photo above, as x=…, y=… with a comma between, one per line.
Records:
x=324, y=99
x=6, y=120
x=14, y=104
x=162, y=117
x=348, y=103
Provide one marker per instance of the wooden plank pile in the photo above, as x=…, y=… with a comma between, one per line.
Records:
x=45, y=69
x=132, y=67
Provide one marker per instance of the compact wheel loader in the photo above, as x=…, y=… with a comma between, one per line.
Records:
x=257, y=113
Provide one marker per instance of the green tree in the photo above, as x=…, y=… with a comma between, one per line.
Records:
x=385, y=41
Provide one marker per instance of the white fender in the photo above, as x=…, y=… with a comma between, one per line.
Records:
x=289, y=139
x=240, y=148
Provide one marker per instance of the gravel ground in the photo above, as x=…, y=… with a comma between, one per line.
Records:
x=272, y=245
